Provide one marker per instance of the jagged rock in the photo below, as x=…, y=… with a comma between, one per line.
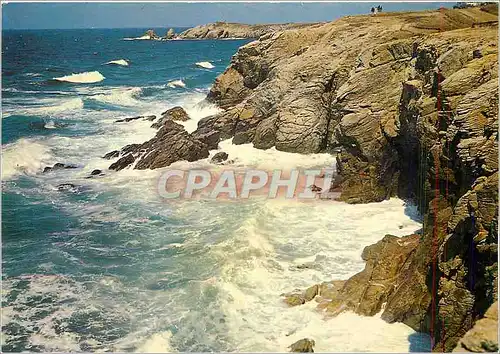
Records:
x=123, y=162
x=151, y=34
x=171, y=143
x=219, y=157
x=483, y=337
x=294, y=299
x=365, y=292
x=129, y=119
x=170, y=34
x=305, y=345
x=58, y=166
x=111, y=155
x=66, y=187
x=176, y=114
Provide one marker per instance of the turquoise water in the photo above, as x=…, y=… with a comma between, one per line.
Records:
x=110, y=266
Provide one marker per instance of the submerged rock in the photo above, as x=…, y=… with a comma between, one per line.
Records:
x=58, y=166
x=129, y=119
x=305, y=345
x=66, y=187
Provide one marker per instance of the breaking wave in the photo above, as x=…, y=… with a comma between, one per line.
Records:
x=205, y=64
x=122, y=62
x=82, y=78
x=23, y=157
x=176, y=83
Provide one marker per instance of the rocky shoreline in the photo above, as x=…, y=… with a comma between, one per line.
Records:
x=226, y=30
x=410, y=102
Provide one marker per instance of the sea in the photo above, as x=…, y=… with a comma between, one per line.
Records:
x=109, y=265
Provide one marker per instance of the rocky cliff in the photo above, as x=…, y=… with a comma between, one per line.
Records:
x=410, y=102
x=226, y=30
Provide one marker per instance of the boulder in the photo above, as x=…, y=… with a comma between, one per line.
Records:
x=171, y=143
x=219, y=157
x=175, y=114
x=305, y=345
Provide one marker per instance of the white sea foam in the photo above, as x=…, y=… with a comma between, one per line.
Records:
x=176, y=83
x=205, y=64
x=142, y=38
x=229, y=299
x=247, y=155
x=122, y=62
x=24, y=156
x=50, y=125
x=82, y=78
x=123, y=96
x=157, y=343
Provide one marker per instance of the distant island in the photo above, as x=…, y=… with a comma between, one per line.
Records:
x=224, y=30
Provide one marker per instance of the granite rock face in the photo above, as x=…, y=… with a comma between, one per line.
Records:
x=411, y=102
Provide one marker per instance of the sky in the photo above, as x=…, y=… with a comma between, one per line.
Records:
x=140, y=15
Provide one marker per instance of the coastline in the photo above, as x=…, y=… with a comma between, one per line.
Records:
x=423, y=143
x=379, y=154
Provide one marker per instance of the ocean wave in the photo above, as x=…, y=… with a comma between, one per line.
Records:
x=45, y=107
x=24, y=156
x=205, y=64
x=176, y=83
x=122, y=62
x=119, y=96
x=82, y=78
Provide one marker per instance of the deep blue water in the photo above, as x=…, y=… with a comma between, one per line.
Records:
x=108, y=265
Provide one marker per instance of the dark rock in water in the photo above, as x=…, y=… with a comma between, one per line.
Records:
x=171, y=143
x=66, y=186
x=209, y=137
x=150, y=118
x=122, y=162
x=176, y=114
x=219, y=157
x=129, y=148
x=95, y=172
x=58, y=166
x=305, y=345
x=111, y=155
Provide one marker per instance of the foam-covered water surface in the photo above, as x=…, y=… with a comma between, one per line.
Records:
x=106, y=264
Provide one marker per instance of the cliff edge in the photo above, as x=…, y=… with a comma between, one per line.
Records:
x=410, y=103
